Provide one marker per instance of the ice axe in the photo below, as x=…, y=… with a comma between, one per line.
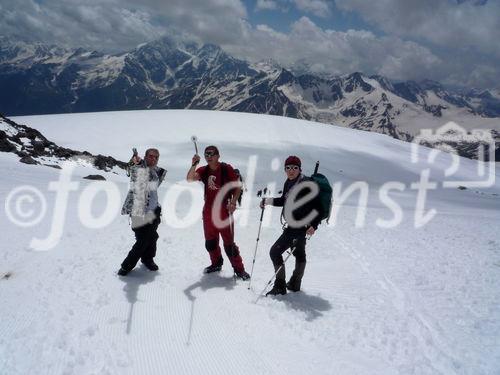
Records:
x=134, y=154
x=194, y=139
x=316, y=167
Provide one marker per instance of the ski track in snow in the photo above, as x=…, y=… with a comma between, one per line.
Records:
x=422, y=333
x=415, y=339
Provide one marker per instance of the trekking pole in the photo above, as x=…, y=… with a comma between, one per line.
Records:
x=195, y=139
x=276, y=273
x=232, y=235
x=256, y=244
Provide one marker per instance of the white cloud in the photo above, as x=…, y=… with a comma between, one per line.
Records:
x=336, y=52
x=117, y=25
x=341, y=52
x=463, y=25
x=94, y=24
x=266, y=5
x=113, y=25
x=217, y=21
x=319, y=8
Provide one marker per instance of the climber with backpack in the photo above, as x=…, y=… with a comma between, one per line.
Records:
x=215, y=175
x=306, y=201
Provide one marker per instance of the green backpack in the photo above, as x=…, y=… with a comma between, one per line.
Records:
x=325, y=193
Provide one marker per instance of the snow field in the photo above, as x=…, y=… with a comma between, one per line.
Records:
x=374, y=301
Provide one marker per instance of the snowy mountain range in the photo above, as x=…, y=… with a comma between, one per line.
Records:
x=167, y=74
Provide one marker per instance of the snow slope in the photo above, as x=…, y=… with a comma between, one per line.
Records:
x=403, y=300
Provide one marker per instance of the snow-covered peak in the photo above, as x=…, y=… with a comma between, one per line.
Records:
x=165, y=45
x=384, y=83
x=267, y=66
x=209, y=52
x=168, y=73
x=356, y=81
x=495, y=93
x=26, y=53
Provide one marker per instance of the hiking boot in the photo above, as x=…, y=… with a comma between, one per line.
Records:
x=150, y=265
x=123, y=272
x=293, y=285
x=243, y=275
x=214, y=267
x=295, y=281
x=278, y=288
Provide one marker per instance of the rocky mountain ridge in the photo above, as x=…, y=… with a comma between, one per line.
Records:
x=167, y=74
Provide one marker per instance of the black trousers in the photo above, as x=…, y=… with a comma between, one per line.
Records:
x=290, y=238
x=145, y=243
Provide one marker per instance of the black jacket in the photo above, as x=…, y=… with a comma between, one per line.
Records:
x=302, y=211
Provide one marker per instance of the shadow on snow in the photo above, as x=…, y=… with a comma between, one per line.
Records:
x=133, y=281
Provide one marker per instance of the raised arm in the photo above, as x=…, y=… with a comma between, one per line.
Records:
x=192, y=175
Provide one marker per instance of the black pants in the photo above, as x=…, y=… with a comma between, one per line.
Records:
x=290, y=238
x=145, y=243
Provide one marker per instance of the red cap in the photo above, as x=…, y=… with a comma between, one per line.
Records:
x=293, y=160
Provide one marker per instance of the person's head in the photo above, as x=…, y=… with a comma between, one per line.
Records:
x=151, y=156
x=293, y=167
x=212, y=155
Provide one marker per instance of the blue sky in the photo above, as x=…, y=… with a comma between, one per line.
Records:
x=283, y=19
x=451, y=41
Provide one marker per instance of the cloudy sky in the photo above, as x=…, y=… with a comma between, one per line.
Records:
x=452, y=41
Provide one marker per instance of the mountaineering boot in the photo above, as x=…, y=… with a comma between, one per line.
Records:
x=123, y=272
x=215, y=267
x=243, y=275
x=278, y=288
x=294, y=284
x=280, y=283
x=150, y=264
x=212, y=268
x=125, y=268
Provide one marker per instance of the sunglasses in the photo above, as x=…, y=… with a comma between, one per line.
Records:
x=291, y=167
x=209, y=154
